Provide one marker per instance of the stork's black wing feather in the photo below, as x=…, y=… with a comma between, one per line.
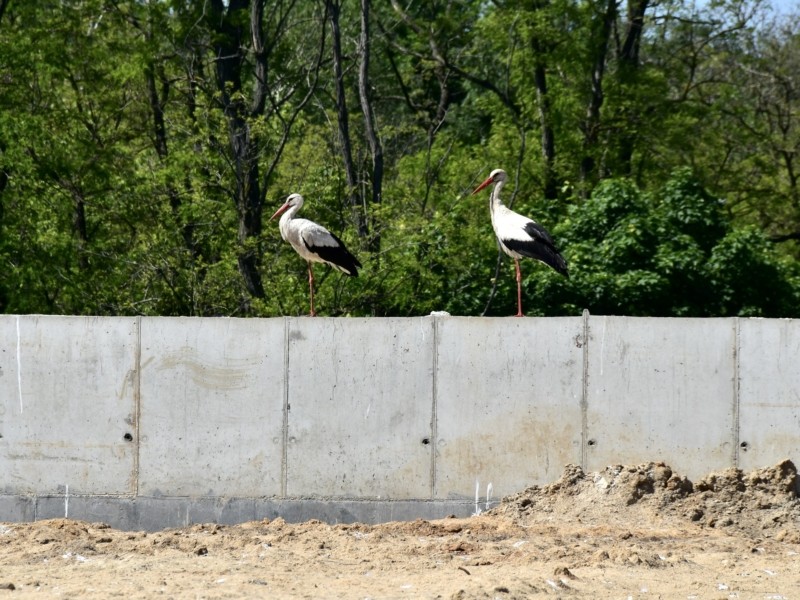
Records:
x=540, y=247
x=539, y=233
x=336, y=255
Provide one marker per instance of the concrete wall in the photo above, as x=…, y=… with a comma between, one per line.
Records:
x=146, y=423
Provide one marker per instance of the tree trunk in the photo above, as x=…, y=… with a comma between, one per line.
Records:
x=629, y=67
x=157, y=102
x=540, y=51
x=791, y=174
x=546, y=123
x=369, y=119
x=434, y=120
x=3, y=179
x=591, y=126
x=230, y=60
x=79, y=225
x=353, y=195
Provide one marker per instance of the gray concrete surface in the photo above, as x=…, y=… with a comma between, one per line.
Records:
x=508, y=403
x=67, y=390
x=663, y=389
x=211, y=405
x=360, y=404
x=146, y=423
x=768, y=391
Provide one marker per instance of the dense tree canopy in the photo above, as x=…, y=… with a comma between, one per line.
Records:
x=144, y=144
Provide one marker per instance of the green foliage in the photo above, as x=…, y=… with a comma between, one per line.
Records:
x=670, y=254
x=120, y=187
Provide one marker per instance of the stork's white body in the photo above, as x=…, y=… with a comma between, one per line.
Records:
x=313, y=242
x=303, y=235
x=519, y=236
x=509, y=225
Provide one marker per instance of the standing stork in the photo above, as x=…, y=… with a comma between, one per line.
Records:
x=313, y=242
x=520, y=236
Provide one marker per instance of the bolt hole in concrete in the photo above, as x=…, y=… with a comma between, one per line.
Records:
x=744, y=445
x=128, y=437
x=592, y=442
x=425, y=441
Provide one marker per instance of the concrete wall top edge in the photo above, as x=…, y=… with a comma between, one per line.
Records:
x=437, y=316
x=686, y=319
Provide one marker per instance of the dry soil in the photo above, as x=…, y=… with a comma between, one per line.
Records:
x=625, y=532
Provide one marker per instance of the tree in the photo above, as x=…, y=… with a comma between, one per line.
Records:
x=370, y=128
x=248, y=42
x=67, y=134
x=672, y=254
x=623, y=127
x=333, y=8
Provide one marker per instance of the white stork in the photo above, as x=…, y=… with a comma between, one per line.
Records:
x=313, y=242
x=520, y=236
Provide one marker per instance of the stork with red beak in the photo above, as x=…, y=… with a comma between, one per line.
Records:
x=313, y=242
x=520, y=236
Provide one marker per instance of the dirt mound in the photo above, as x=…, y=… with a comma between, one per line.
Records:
x=763, y=503
x=626, y=531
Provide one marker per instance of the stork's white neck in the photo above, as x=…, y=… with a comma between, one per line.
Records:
x=290, y=213
x=286, y=219
x=494, y=197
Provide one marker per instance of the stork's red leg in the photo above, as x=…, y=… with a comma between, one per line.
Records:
x=519, y=289
x=311, y=288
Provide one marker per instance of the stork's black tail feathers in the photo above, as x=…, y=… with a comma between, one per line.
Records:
x=338, y=256
x=345, y=262
x=552, y=258
x=540, y=247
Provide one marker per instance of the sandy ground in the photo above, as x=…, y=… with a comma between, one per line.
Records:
x=625, y=532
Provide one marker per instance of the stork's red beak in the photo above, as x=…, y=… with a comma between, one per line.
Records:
x=483, y=185
x=280, y=210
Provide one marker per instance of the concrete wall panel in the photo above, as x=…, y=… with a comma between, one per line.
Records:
x=67, y=404
x=117, y=512
x=153, y=514
x=508, y=395
x=362, y=511
x=16, y=509
x=661, y=390
x=211, y=417
x=769, y=391
x=360, y=400
x=157, y=422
